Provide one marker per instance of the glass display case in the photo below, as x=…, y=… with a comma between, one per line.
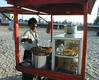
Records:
x=67, y=53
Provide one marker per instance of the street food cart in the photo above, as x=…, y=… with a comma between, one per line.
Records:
x=55, y=7
x=67, y=53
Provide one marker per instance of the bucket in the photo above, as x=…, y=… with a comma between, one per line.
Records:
x=40, y=61
x=71, y=29
x=40, y=55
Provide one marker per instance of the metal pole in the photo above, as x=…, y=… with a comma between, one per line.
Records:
x=84, y=41
x=51, y=27
x=43, y=18
x=16, y=34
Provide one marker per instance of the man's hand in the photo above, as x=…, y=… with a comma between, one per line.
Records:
x=26, y=39
x=29, y=40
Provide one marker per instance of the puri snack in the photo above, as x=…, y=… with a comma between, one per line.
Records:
x=41, y=50
x=70, y=51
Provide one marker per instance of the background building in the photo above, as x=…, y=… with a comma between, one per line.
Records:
x=4, y=19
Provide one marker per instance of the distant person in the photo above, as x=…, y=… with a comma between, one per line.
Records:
x=0, y=21
x=58, y=25
x=11, y=24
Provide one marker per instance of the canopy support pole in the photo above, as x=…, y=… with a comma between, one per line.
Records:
x=16, y=34
x=51, y=27
x=84, y=41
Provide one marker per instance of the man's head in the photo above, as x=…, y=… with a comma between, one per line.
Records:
x=32, y=23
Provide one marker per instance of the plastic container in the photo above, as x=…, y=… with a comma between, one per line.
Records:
x=40, y=55
x=40, y=61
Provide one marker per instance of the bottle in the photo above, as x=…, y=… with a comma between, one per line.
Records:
x=61, y=49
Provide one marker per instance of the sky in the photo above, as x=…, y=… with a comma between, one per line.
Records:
x=61, y=18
